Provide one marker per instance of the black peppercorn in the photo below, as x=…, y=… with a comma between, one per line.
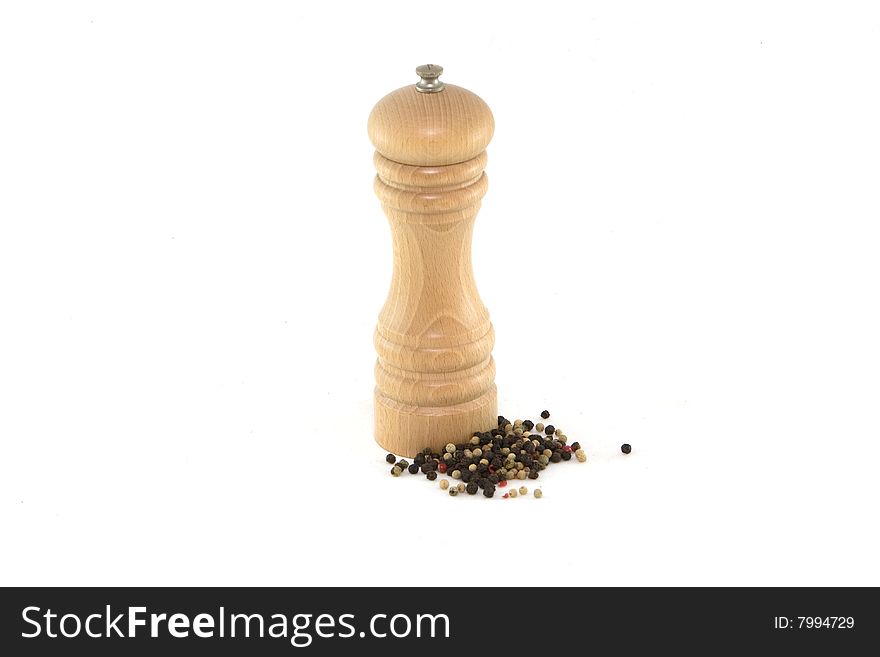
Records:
x=390, y=458
x=472, y=488
x=431, y=475
x=626, y=448
x=533, y=474
x=575, y=446
x=528, y=425
x=413, y=469
x=566, y=456
x=549, y=429
x=545, y=414
x=555, y=457
x=419, y=459
x=489, y=491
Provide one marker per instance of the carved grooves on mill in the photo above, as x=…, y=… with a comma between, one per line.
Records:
x=434, y=337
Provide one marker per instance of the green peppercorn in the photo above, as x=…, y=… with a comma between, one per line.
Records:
x=538, y=493
x=575, y=446
x=544, y=459
x=444, y=484
x=453, y=492
x=390, y=458
x=396, y=470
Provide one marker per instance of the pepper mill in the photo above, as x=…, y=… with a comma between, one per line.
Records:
x=435, y=376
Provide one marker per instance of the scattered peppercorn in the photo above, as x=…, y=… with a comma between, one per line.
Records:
x=539, y=427
x=581, y=455
x=545, y=414
x=431, y=475
x=512, y=492
x=413, y=469
x=523, y=490
x=390, y=458
x=453, y=492
x=396, y=470
x=528, y=425
x=444, y=484
x=538, y=493
x=626, y=448
x=549, y=429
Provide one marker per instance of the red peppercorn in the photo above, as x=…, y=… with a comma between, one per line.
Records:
x=491, y=469
x=502, y=483
x=441, y=467
x=505, y=496
x=566, y=448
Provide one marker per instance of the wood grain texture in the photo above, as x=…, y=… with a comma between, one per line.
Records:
x=435, y=373
x=432, y=129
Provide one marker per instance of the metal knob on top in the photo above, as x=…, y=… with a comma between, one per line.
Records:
x=429, y=74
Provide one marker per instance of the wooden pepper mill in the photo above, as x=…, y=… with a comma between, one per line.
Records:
x=435, y=376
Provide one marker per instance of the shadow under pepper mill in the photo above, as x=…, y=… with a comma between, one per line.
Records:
x=435, y=376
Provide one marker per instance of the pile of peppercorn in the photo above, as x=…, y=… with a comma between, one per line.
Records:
x=510, y=451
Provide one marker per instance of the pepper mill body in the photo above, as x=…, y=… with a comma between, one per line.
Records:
x=435, y=376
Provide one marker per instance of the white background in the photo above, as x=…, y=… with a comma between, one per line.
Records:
x=679, y=250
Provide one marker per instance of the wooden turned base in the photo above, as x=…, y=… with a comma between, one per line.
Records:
x=405, y=430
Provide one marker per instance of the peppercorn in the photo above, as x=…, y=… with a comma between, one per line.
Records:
x=521, y=474
x=450, y=448
x=575, y=446
x=549, y=429
x=453, y=492
x=475, y=439
x=533, y=474
x=502, y=483
x=444, y=484
x=626, y=448
x=396, y=470
x=545, y=414
x=456, y=474
x=390, y=458
x=461, y=488
x=538, y=493
x=442, y=467
x=512, y=492
x=472, y=488
x=566, y=456
x=413, y=469
x=489, y=490
x=472, y=467
x=555, y=458
x=581, y=455
x=539, y=427
x=528, y=425
x=431, y=475
x=523, y=490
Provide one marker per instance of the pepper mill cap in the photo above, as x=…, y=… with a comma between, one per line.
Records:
x=431, y=123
